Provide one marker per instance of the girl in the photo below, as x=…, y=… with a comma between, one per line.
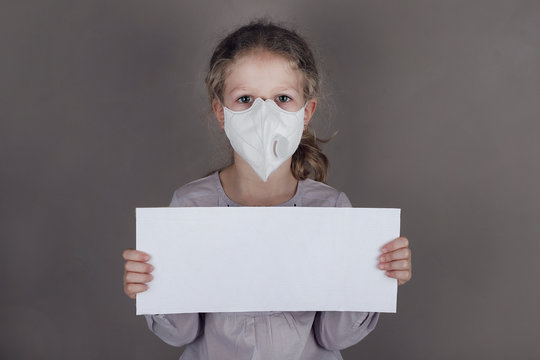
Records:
x=263, y=85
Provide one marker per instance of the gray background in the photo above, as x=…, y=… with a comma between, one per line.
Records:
x=437, y=103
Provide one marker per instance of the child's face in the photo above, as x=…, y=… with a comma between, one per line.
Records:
x=265, y=75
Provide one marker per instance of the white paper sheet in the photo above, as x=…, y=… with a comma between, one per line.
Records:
x=234, y=259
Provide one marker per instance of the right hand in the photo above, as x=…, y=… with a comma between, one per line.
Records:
x=136, y=272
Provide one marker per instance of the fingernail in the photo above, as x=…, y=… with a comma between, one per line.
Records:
x=151, y=267
x=146, y=257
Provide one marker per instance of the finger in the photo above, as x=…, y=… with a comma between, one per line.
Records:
x=134, y=277
x=137, y=266
x=397, y=243
x=395, y=265
x=136, y=288
x=399, y=254
x=130, y=295
x=135, y=255
x=404, y=275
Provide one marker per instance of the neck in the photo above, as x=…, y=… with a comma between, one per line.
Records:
x=243, y=186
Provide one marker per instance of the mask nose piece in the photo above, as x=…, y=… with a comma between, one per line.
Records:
x=280, y=146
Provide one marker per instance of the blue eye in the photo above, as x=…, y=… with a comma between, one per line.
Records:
x=281, y=97
x=244, y=97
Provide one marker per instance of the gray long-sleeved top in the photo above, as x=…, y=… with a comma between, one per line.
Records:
x=298, y=335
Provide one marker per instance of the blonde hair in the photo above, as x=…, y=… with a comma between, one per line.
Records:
x=308, y=161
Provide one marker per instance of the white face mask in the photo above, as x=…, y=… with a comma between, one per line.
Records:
x=264, y=135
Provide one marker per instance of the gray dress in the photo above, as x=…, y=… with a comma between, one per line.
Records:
x=314, y=335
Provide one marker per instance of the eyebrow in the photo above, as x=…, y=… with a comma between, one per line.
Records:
x=244, y=88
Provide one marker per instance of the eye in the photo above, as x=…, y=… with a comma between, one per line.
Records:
x=241, y=98
x=283, y=98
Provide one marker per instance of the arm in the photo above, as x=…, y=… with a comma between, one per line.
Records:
x=176, y=329
x=337, y=330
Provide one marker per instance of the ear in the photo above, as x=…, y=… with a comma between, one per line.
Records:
x=310, y=109
x=218, y=111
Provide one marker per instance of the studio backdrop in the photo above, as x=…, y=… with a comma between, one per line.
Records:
x=103, y=109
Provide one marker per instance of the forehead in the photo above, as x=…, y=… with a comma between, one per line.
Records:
x=263, y=70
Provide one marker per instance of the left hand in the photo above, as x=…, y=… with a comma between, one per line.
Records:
x=396, y=260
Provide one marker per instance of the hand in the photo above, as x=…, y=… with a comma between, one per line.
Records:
x=136, y=272
x=396, y=260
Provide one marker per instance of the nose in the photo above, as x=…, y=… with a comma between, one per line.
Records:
x=265, y=99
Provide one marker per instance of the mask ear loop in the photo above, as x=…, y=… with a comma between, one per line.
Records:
x=304, y=107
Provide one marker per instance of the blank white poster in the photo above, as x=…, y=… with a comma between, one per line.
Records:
x=234, y=259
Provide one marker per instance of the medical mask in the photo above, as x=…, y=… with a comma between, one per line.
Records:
x=264, y=135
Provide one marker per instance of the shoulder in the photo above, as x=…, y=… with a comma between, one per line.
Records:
x=200, y=192
x=316, y=193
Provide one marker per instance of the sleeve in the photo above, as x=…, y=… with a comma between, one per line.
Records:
x=343, y=200
x=176, y=329
x=337, y=330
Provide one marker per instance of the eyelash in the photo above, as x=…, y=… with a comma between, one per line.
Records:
x=244, y=96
